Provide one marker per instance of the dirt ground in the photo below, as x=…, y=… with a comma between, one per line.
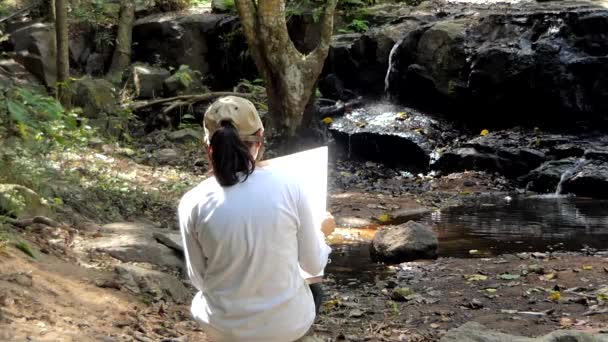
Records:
x=58, y=297
x=52, y=298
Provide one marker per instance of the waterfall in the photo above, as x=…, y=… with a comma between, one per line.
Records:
x=390, y=65
x=567, y=174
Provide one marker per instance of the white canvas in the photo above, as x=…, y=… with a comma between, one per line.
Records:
x=311, y=168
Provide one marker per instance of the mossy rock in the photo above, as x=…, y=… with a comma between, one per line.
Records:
x=183, y=81
x=96, y=97
x=19, y=201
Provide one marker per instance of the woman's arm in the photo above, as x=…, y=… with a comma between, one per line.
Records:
x=313, y=252
x=193, y=251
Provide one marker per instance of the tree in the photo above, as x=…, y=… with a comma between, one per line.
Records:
x=63, y=54
x=289, y=75
x=122, y=53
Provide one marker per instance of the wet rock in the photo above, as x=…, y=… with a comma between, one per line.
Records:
x=546, y=177
x=542, y=54
x=158, y=284
x=359, y=60
x=566, y=151
x=407, y=242
x=132, y=242
x=472, y=332
x=35, y=49
x=597, y=154
x=590, y=180
x=353, y=222
x=394, y=135
x=148, y=80
x=404, y=215
x=185, y=136
x=510, y=153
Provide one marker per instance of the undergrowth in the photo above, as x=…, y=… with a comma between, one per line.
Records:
x=45, y=148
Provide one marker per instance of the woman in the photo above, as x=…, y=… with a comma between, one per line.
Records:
x=245, y=231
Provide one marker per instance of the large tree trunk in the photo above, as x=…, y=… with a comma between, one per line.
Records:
x=289, y=75
x=122, y=53
x=63, y=54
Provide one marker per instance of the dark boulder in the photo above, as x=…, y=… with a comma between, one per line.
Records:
x=407, y=242
x=534, y=64
x=360, y=60
x=211, y=44
x=148, y=80
x=35, y=50
x=546, y=177
x=394, y=135
x=589, y=180
x=509, y=153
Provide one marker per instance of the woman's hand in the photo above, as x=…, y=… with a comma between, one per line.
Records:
x=329, y=225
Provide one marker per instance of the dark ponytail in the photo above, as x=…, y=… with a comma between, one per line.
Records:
x=231, y=158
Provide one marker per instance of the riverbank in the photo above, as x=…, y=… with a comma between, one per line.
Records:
x=86, y=281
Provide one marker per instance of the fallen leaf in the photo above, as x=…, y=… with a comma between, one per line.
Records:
x=565, y=322
x=587, y=267
x=491, y=291
x=484, y=132
x=331, y=304
x=435, y=326
x=384, y=218
x=602, y=294
x=477, y=277
x=508, y=276
x=549, y=276
x=327, y=120
x=555, y=296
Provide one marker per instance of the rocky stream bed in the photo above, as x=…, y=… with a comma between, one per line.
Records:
x=482, y=121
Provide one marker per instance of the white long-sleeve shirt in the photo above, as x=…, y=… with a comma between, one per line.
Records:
x=243, y=245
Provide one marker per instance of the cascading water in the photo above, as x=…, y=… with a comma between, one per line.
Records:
x=390, y=66
x=566, y=175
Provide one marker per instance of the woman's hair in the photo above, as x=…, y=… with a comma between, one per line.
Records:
x=231, y=158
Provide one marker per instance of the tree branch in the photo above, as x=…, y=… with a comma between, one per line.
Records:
x=319, y=54
x=186, y=99
x=247, y=13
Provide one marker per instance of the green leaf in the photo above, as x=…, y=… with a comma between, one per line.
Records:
x=17, y=111
x=508, y=276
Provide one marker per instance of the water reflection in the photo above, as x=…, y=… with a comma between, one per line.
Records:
x=538, y=224
x=492, y=228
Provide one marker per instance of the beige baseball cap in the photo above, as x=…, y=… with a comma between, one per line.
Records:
x=239, y=111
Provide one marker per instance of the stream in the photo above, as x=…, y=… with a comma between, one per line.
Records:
x=489, y=228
